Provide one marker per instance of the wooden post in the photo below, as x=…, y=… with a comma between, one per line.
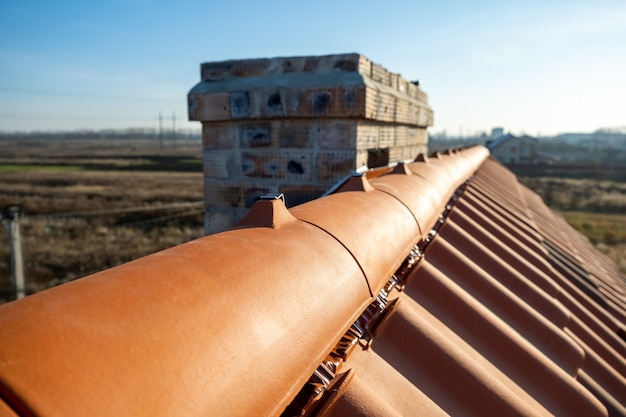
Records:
x=11, y=220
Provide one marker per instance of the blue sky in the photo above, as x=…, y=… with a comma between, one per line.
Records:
x=531, y=67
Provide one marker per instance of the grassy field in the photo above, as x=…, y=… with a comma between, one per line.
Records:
x=92, y=204
x=584, y=195
x=606, y=231
x=597, y=209
x=609, y=229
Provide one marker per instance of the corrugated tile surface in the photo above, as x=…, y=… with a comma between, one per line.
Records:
x=439, y=287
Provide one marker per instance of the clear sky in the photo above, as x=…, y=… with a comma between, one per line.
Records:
x=529, y=66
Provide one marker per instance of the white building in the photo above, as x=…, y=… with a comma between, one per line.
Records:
x=510, y=149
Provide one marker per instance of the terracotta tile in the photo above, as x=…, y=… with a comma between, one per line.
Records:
x=614, y=405
x=349, y=217
x=510, y=352
x=424, y=206
x=165, y=324
x=454, y=376
x=504, y=309
x=600, y=340
x=379, y=389
x=609, y=375
x=522, y=315
x=485, y=250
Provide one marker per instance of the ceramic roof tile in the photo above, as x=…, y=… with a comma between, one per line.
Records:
x=439, y=287
x=455, y=376
x=528, y=316
x=503, y=346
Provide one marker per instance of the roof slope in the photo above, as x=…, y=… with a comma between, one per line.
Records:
x=504, y=138
x=440, y=287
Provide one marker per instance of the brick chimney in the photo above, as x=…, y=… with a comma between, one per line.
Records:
x=298, y=125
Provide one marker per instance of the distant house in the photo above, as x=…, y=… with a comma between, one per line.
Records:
x=510, y=149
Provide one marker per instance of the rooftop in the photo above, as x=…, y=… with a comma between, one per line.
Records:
x=439, y=287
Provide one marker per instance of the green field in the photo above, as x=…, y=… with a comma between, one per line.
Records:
x=609, y=229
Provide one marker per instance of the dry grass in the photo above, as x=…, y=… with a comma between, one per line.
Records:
x=606, y=231
x=597, y=209
x=568, y=194
x=44, y=191
x=57, y=246
x=58, y=249
x=609, y=229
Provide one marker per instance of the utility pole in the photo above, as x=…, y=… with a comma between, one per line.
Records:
x=160, y=131
x=174, y=130
x=11, y=220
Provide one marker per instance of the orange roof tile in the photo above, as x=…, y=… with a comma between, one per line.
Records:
x=438, y=287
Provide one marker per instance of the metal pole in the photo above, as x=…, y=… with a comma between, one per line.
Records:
x=11, y=220
x=174, y=130
x=160, y=131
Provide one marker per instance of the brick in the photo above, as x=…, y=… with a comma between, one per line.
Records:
x=215, y=71
x=226, y=70
x=380, y=74
x=333, y=102
x=361, y=158
x=354, y=101
x=386, y=136
x=214, y=106
x=228, y=194
x=298, y=166
x=367, y=135
x=268, y=103
x=402, y=135
x=321, y=101
x=403, y=114
x=332, y=166
x=276, y=164
x=297, y=125
x=219, y=163
x=335, y=134
x=292, y=134
x=255, y=136
x=420, y=136
x=307, y=87
x=396, y=155
x=380, y=105
x=240, y=105
x=394, y=80
x=413, y=113
x=224, y=194
x=219, y=135
x=425, y=117
x=294, y=99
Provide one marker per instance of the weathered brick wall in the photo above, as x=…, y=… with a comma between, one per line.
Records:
x=298, y=125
